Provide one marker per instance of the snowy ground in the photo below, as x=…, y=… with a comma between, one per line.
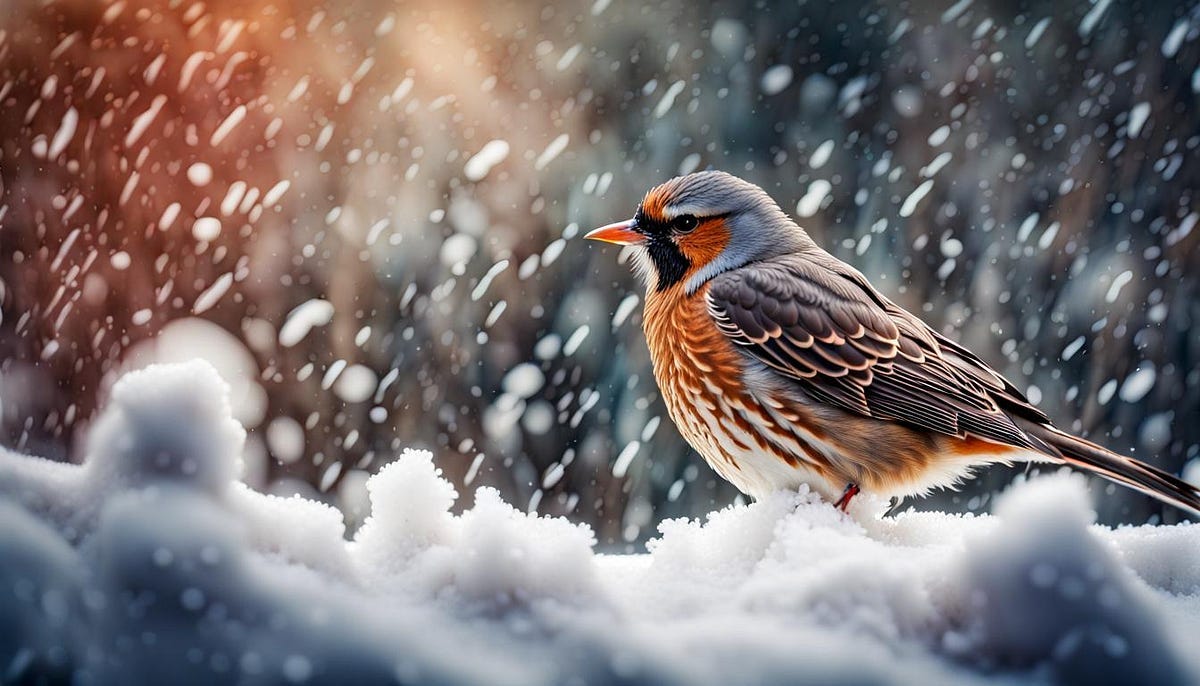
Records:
x=150, y=563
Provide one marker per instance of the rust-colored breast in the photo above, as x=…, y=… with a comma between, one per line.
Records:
x=700, y=375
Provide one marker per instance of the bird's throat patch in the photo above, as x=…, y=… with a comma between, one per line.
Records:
x=669, y=262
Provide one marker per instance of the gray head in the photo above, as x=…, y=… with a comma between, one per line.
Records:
x=694, y=227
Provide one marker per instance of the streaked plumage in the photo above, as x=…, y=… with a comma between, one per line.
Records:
x=782, y=365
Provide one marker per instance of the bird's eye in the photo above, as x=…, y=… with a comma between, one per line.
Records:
x=685, y=223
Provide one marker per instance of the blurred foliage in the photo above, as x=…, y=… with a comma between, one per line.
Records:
x=1023, y=174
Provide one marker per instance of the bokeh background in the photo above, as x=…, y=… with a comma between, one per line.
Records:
x=368, y=215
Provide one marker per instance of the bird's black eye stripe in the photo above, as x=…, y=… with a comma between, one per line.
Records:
x=681, y=225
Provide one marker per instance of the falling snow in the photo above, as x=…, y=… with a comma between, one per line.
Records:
x=776, y=79
x=206, y=228
x=370, y=222
x=302, y=319
x=483, y=161
x=212, y=295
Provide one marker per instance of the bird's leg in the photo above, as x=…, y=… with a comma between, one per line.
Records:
x=847, y=495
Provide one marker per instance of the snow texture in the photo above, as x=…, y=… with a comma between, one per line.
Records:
x=150, y=563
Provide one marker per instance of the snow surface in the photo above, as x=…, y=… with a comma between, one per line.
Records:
x=150, y=563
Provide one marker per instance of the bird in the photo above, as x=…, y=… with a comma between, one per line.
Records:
x=781, y=365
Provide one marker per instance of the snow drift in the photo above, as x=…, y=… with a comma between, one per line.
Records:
x=149, y=563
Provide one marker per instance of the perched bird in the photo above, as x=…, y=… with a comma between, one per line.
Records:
x=782, y=365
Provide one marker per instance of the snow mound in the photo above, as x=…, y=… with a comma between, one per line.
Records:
x=149, y=563
x=492, y=556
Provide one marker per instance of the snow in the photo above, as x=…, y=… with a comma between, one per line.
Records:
x=486, y=280
x=955, y=11
x=936, y=165
x=199, y=174
x=538, y=419
x=576, y=339
x=494, y=315
x=285, y=438
x=1073, y=347
x=1137, y=118
x=775, y=79
x=1174, y=39
x=552, y=251
x=206, y=228
x=523, y=380
x=275, y=193
x=951, y=247
x=304, y=318
x=668, y=99
x=143, y=121
x=689, y=164
x=624, y=309
x=568, y=57
x=1139, y=383
x=1036, y=32
x=333, y=373
x=811, y=202
x=66, y=131
x=907, y=101
x=1185, y=227
x=939, y=136
x=227, y=125
x=213, y=294
x=729, y=36
x=625, y=458
x=233, y=197
x=1114, y=290
x=553, y=150
x=457, y=250
x=1093, y=17
x=821, y=155
x=169, y=215
x=490, y=155
x=1027, y=227
x=910, y=203
x=150, y=563
x=356, y=383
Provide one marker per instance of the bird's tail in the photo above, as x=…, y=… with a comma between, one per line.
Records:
x=1127, y=471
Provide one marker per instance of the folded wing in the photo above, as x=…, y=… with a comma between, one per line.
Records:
x=823, y=326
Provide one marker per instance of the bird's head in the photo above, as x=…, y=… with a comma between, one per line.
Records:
x=694, y=227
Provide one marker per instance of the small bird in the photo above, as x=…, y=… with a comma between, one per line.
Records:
x=781, y=365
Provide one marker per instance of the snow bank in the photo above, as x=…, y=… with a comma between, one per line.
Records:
x=149, y=563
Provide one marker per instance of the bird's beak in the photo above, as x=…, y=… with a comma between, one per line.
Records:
x=621, y=233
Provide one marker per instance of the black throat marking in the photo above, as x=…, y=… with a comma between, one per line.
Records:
x=669, y=263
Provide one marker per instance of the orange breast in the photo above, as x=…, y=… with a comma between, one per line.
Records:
x=700, y=375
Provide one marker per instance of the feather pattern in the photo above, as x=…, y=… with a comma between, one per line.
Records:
x=817, y=322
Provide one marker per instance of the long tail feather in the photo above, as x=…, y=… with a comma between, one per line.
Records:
x=1089, y=457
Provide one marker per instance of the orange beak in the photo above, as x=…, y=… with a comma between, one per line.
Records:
x=620, y=233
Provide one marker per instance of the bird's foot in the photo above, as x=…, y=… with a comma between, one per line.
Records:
x=847, y=495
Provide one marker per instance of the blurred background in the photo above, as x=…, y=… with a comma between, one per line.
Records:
x=368, y=215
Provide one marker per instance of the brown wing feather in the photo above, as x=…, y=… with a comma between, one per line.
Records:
x=818, y=322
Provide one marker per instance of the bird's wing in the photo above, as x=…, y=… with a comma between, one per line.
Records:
x=826, y=328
